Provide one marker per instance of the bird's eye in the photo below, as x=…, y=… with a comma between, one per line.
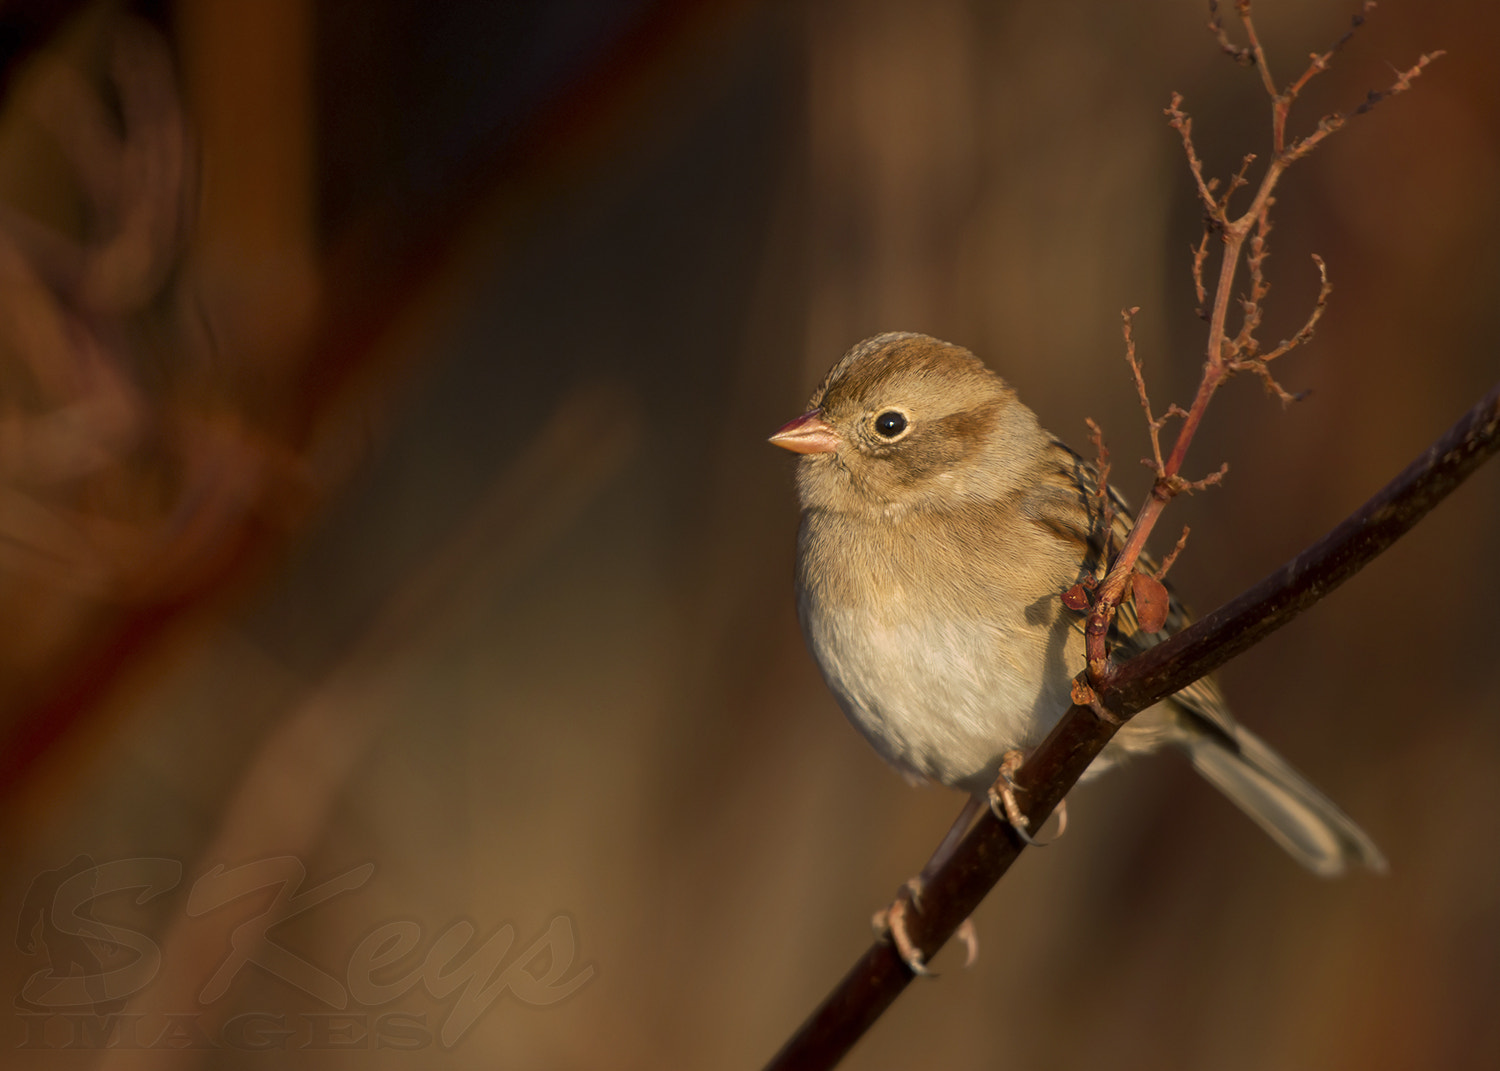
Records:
x=890, y=424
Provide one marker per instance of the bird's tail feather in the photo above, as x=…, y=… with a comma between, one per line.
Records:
x=1282, y=802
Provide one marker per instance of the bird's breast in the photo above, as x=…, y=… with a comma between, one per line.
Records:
x=941, y=673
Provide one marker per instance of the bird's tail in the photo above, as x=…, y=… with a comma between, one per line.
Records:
x=1282, y=802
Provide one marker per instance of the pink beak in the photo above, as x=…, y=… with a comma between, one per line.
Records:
x=808, y=434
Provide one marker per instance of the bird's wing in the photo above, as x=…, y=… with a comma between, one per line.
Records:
x=1203, y=697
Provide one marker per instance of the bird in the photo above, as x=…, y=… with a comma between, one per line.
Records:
x=940, y=527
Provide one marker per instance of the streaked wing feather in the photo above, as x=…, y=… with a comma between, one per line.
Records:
x=1201, y=698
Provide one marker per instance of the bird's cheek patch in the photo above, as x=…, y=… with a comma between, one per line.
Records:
x=965, y=431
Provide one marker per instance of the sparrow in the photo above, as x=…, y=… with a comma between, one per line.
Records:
x=941, y=526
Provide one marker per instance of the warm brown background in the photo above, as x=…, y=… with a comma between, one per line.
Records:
x=401, y=496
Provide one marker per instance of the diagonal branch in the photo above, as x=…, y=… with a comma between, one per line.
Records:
x=952, y=894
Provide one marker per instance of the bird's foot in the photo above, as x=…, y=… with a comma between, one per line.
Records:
x=891, y=922
x=1002, y=799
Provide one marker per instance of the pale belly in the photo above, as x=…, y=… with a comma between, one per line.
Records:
x=944, y=699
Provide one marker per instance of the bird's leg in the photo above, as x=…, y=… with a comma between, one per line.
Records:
x=1002, y=800
x=891, y=921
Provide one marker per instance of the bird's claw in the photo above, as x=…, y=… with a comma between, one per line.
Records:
x=970, y=937
x=1002, y=800
x=890, y=922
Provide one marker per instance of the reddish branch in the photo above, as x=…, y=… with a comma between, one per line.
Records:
x=1225, y=356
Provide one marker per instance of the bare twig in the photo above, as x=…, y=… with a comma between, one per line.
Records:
x=1224, y=356
x=1171, y=559
x=1318, y=63
x=1242, y=8
x=1183, y=124
x=1101, y=452
x=1257, y=363
x=1237, y=181
x=1243, y=56
x=1306, y=333
x=1106, y=511
x=1200, y=254
x=1328, y=124
x=1154, y=424
x=1259, y=288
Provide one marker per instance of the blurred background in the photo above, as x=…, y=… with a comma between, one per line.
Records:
x=399, y=659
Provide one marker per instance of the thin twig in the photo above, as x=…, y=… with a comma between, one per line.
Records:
x=1237, y=181
x=1171, y=559
x=1328, y=124
x=1153, y=425
x=1200, y=254
x=1242, y=8
x=1319, y=63
x=1243, y=56
x=1305, y=335
x=1259, y=288
x=1183, y=124
x=1224, y=356
x=1101, y=492
x=1180, y=486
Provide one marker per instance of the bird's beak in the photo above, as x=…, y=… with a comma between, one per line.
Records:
x=808, y=434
